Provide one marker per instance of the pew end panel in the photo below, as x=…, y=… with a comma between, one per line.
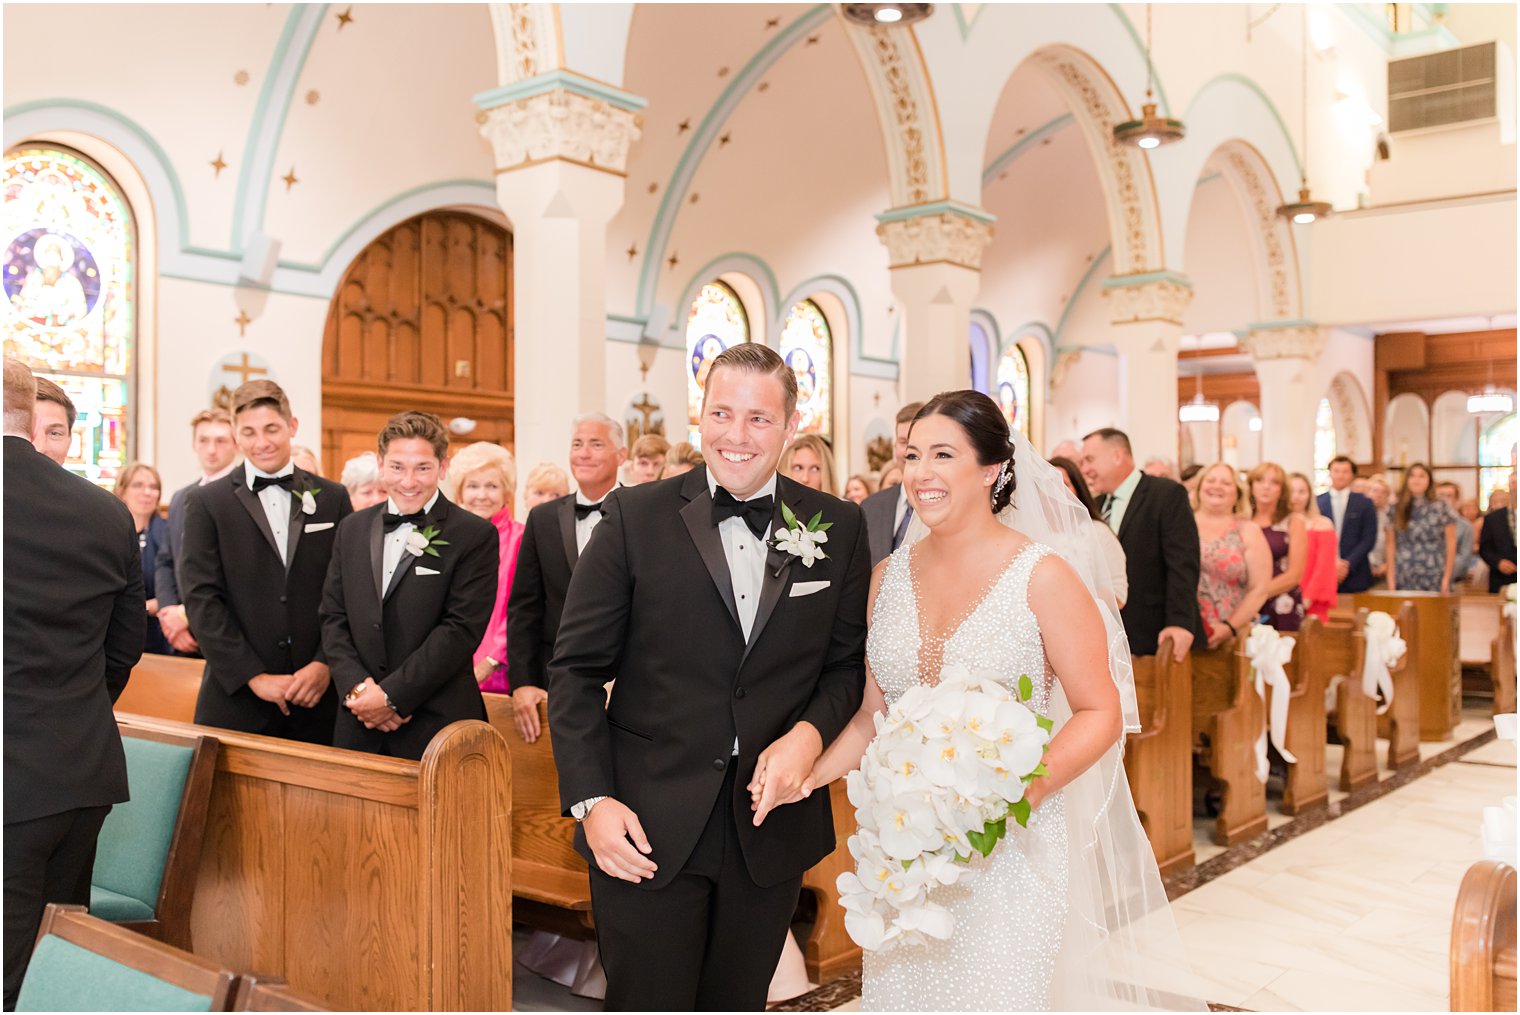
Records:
x=1306, y=785
x=1228, y=716
x=1502, y=664
x=1158, y=759
x=829, y=952
x=1400, y=725
x=1340, y=652
x=1483, y=939
x=1433, y=657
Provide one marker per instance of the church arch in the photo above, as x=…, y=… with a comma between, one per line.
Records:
x=899, y=79
x=1353, y=418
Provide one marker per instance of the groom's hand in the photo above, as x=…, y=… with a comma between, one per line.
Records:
x=609, y=827
x=782, y=769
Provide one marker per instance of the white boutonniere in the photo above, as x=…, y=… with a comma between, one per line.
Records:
x=420, y=541
x=803, y=541
x=309, y=500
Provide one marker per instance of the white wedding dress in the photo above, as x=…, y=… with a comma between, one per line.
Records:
x=1009, y=917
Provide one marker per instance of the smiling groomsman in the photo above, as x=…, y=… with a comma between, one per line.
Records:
x=408, y=597
x=256, y=547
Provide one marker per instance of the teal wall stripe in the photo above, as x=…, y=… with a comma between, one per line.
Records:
x=555, y=79
x=1012, y=153
x=1245, y=82
x=1076, y=296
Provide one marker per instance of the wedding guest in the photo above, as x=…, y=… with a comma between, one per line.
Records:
x=73, y=630
x=216, y=452
x=1108, y=543
x=1284, y=530
x=361, y=478
x=1355, y=520
x=53, y=421
x=1362, y=485
x=1069, y=450
x=1422, y=542
x=139, y=488
x=857, y=488
x=1381, y=495
x=1478, y=576
x=1318, y=586
x=1466, y=553
x=1161, y=468
x=646, y=461
x=887, y=511
x=1236, y=563
x=681, y=459
x=1502, y=498
x=401, y=651
x=1190, y=478
x=545, y=483
x=256, y=549
x=1155, y=525
x=555, y=537
x=1497, y=543
x=810, y=462
x=482, y=479
x=305, y=458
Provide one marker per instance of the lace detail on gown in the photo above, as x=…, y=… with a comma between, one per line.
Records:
x=1009, y=916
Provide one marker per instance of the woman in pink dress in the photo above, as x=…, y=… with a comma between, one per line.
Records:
x=482, y=479
x=1319, y=580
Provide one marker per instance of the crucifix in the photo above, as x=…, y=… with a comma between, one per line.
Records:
x=242, y=320
x=646, y=408
x=245, y=368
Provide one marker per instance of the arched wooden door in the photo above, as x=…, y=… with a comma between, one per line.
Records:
x=422, y=320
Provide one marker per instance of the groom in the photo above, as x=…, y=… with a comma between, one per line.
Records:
x=727, y=653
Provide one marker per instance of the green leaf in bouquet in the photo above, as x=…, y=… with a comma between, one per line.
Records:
x=813, y=522
x=1039, y=770
x=787, y=516
x=1045, y=722
x=1019, y=811
x=1026, y=687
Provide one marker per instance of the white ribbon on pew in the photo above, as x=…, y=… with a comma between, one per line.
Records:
x=1384, y=650
x=1269, y=653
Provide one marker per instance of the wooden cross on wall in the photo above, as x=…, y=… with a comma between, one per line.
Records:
x=245, y=369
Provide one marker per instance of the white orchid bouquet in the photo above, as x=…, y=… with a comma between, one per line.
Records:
x=946, y=770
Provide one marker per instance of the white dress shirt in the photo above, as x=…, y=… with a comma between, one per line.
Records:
x=585, y=526
x=1118, y=503
x=276, y=501
x=395, y=541
x=1338, y=500
x=746, y=554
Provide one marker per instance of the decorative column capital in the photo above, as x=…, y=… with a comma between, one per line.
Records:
x=944, y=232
x=1284, y=340
x=1066, y=358
x=560, y=116
x=1161, y=296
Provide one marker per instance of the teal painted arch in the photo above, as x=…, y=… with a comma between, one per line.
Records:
x=1266, y=100
x=751, y=267
x=861, y=363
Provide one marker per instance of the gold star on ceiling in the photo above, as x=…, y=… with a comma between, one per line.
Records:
x=724, y=140
x=722, y=72
x=695, y=197
x=653, y=187
x=240, y=78
x=633, y=251
x=771, y=23
x=763, y=86
x=673, y=260
x=812, y=40
x=683, y=126
x=218, y=164
x=1044, y=141
x=290, y=179
x=313, y=97
x=345, y=19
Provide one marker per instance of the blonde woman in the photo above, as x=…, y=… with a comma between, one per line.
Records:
x=810, y=462
x=545, y=483
x=858, y=487
x=1236, y=563
x=681, y=459
x=482, y=479
x=1285, y=532
x=139, y=487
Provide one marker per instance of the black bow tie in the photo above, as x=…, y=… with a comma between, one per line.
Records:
x=288, y=481
x=393, y=522
x=582, y=510
x=756, y=513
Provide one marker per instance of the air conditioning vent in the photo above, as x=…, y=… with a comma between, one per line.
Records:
x=1441, y=89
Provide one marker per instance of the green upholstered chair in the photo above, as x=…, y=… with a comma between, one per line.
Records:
x=150, y=847
x=82, y=963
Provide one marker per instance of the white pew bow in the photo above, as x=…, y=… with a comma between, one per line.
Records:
x=1269, y=652
x=1384, y=650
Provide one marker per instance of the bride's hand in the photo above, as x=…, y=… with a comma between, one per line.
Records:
x=782, y=769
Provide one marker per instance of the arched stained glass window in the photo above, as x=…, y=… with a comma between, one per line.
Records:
x=807, y=345
x=1496, y=456
x=69, y=278
x=1324, y=443
x=715, y=321
x=1013, y=388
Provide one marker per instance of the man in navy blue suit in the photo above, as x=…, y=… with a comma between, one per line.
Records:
x=1496, y=543
x=1356, y=525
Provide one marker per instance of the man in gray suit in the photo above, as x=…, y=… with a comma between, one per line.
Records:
x=887, y=511
x=217, y=452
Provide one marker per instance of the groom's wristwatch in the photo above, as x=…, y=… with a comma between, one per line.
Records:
x=580, y=810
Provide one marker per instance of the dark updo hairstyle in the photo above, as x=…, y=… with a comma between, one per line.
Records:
x=986, y=428
x=1079, y=485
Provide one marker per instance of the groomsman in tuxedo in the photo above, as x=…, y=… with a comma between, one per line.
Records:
x=256, y=547
x=553, y=540
x=53, y=421
x=1155, y=525
x=731, y=657
x=1496, y=543
x=888, y=511
x=73, y=631
x=216, y=450
x=1356, y=526
x=408, y=596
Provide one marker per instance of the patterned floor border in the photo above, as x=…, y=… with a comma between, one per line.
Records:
x=847, y=988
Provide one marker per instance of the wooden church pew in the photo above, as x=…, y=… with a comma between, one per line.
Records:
x=1159, y=759
x=1337, y=650
x=1400, y=725
x=1502, y=667
x=1228, y=716
x=164, y=687
x=1483, y=939
x=370, y=883
x=1306, y=785
x=1434, y=655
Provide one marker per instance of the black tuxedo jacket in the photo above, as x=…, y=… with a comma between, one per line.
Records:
x=74, y=622
x=1358, y=536
x=1162, y=559
x=165, y=564
x=1496, y=543
x=880, y=510
x=544, y=565
x=419, y=642
x=652, y=604
x=250, y=612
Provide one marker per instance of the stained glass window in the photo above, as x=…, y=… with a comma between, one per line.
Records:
x=1324, y=443
x=1013, y=388
x=979, y=349
x=808, y=348
x=69, y=281
x=715, y=322
x=1496, y=456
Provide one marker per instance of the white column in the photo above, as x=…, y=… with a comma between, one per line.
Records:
x=1285, y=356
x=561, y=156
x=1146, y=312
x=935, y=252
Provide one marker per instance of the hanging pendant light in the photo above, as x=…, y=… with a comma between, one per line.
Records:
x=1305, y=210
x=1150, y=131
x=1199, y=409
x=1490, y=399
x=872, y=15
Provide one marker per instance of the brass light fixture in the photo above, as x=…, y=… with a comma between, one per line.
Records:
x=1150, y=131
x=872, y=15
x=1305, y=210
x=1199, y=409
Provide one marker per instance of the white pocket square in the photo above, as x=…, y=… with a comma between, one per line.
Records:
x=806, y=589
x=320, y=526
x=424, y=570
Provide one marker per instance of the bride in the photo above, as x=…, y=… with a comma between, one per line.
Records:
x=1068, y=913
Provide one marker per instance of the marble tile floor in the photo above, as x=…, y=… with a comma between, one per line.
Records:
x=1353, y=914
